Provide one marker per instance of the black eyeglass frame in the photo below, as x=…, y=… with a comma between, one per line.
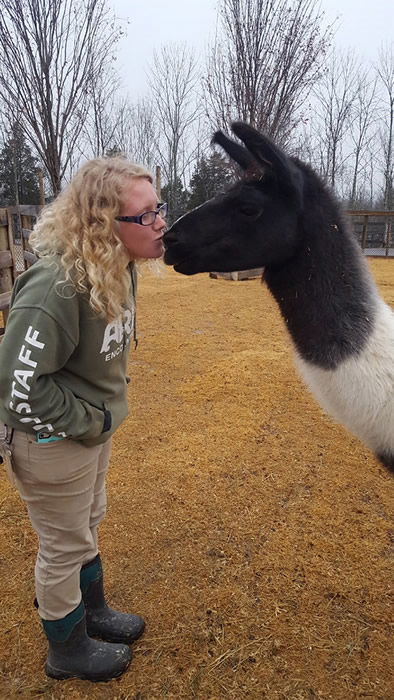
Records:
x=138, y=219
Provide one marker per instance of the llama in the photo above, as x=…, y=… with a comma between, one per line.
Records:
x=281, y=217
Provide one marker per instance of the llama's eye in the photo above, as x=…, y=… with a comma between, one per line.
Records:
x=250, y=210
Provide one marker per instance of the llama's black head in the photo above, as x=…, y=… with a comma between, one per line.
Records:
x=253, y=224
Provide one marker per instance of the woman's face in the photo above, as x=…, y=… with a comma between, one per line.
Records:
x=141, y=241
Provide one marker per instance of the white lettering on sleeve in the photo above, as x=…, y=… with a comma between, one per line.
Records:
x=48, y=427
x=18, y=394
x=30, y=420
x=24, y=356
x=23, y=407
x=31, y=338
x=22, y=375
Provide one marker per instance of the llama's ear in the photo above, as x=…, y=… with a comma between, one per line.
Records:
x=265, y=152
x=237, y=152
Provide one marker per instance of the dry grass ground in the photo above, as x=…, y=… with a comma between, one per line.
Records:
x=254, y=534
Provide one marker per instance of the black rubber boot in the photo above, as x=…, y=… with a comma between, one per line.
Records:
x=72, y=654
x=101, y=620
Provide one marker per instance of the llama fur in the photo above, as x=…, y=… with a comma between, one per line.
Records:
x=282, y=217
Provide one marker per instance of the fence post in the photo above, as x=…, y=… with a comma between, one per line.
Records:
x=364, y=233
x=388, y=236
x=6, y=276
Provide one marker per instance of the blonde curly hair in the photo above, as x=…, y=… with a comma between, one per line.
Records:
x=80, y=225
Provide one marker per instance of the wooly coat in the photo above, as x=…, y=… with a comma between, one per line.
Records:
x=282, y=217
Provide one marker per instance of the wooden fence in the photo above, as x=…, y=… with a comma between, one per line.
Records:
x=15, y=253
x=374, y=231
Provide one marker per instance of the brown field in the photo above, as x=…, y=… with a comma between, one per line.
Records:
x=254, y=535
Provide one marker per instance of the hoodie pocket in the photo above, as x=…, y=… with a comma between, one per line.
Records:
x=107, y=425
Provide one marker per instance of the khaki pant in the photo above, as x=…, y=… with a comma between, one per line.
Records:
x=63, y=486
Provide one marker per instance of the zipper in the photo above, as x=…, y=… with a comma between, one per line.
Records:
x=135, y=311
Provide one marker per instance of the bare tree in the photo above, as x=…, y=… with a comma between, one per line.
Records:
x=100, y=123
x=386, y=75
x=143, y=130
x=173, y=80
x=118, y=126
x=362, y=133
x=52, y=53
x=335, y=96
x=263, y=66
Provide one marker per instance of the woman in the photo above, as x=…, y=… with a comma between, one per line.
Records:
x=63, y=393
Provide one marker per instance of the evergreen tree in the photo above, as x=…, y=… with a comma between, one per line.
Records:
x=18, y=166
x=211, y=176
x=113, y=151
x=177, y=199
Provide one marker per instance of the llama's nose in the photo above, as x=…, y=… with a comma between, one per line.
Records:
x=170, y=237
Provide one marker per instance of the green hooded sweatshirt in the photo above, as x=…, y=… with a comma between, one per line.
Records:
x=62, y=366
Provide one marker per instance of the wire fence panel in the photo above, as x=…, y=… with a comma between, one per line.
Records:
x=374, y=231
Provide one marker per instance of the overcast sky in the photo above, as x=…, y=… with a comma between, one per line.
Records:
x=361, y=25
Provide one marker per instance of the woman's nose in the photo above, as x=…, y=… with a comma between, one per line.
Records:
x=160, y=222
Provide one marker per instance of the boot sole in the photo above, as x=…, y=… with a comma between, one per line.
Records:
x=61, y=675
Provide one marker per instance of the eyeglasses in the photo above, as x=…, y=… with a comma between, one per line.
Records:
x=148, y=217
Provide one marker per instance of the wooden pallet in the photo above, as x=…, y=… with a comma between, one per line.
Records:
x=238, y=275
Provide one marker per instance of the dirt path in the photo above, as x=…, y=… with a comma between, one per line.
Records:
x=255, y=535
